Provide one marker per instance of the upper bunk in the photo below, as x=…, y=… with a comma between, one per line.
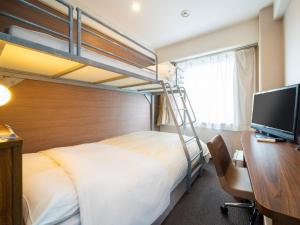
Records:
x=64, y=45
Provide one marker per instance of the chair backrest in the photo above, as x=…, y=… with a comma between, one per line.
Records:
x=220, y=155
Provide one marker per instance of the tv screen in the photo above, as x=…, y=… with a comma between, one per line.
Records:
x=275, y=112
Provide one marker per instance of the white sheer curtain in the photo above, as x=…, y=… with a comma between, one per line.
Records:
x=220, y=88
x=244, y=87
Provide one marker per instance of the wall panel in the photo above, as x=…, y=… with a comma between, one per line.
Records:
x=49, y=115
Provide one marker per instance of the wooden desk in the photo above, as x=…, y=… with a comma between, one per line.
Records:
x=274, y=170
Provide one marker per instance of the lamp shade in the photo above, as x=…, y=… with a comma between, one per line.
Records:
x=5, y=95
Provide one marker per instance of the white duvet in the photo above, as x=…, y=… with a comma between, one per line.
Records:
x=49, y=196
x=115, y=186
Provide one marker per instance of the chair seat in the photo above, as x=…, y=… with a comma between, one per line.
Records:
x=237, y=183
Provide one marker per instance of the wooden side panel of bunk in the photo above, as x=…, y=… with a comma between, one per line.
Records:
x=10, y=181
x=18, y=9
x=50, y=115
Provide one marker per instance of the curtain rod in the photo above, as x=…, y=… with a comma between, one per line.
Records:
x=217, y=52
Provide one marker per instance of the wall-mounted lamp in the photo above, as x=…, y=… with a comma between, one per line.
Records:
x=5, y=95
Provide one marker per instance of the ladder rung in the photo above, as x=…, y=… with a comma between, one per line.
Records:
x=195, y=156
x=183, y=109
x=190, y=139
x=181, y=125
x=184, y=123
x=196, y=170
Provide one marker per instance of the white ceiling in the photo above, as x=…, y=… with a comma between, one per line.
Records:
x=159, y=22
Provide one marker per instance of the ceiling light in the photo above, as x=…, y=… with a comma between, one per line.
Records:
x=4, y=95
x=136, y=6
x=185, y=13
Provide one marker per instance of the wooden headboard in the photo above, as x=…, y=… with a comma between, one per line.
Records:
x=50, y=115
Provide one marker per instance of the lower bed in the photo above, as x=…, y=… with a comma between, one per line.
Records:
x=135, y=178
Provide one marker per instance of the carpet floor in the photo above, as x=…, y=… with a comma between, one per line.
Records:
x=202, y=205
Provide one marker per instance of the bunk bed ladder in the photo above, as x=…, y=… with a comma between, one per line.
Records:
x=194, y=163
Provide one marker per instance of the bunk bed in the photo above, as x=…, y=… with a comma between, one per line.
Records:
x=39, y=42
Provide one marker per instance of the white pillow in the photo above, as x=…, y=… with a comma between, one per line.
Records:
x=49, y=196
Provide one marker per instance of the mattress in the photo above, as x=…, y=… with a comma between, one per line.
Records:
x=50, y=41
x=49, y=196
x=162, y=146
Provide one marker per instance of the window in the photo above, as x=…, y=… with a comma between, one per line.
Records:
x=220, y=88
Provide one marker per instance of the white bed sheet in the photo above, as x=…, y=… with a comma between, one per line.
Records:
x=161, y=146
x=50, y=41
x=49, y=196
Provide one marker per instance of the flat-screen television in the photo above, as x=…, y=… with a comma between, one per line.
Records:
x=276, y=112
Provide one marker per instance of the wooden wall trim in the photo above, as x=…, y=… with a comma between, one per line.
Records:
x=50, y=115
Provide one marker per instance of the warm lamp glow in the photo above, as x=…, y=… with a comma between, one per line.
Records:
x=136, y=6
x=4, y=95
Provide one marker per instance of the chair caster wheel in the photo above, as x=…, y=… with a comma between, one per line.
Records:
x=224, y=210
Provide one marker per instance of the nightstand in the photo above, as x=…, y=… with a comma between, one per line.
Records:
x=10, y=180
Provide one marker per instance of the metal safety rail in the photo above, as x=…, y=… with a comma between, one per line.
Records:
x=80, y=42
x=186, y=118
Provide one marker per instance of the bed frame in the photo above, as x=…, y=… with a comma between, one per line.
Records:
x=78, y=35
